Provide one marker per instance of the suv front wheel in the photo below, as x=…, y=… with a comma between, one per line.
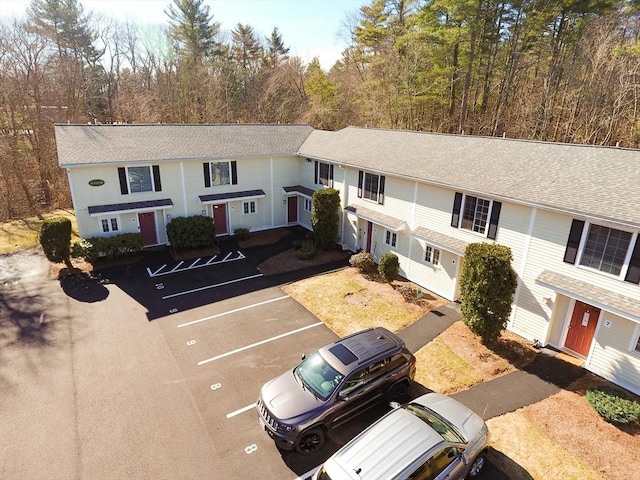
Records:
x=310, y=441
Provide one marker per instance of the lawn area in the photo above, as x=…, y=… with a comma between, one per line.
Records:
x=558, y=438
x=21, y=234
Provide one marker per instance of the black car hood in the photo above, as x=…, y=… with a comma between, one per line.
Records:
x=286, y=399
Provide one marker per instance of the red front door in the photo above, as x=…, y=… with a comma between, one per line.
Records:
x=147, y=222
x=292, y=210
x=581, y=328
x=369, y=234
x=220, y=219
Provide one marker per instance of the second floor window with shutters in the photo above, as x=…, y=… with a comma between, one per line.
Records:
x=605, y=249
x=371, y=186
x=475, y=214
x=140, y=179
x=220, y=173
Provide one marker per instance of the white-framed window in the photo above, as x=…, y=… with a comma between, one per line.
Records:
x=307, y=204
x=605, y=249
x=475, y=214
x=391, y=238
x=371, y=186
x=324, y=174
x=635, y=343
x=108, y=225
x=140, y=179
x=249, y=207
x=221, y=173
x=431, y=255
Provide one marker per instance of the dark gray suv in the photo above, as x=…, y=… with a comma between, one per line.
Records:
x=332, y=385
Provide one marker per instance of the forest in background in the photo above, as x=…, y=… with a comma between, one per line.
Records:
x=548, y=70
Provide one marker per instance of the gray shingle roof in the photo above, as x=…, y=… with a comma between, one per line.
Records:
x=216, y=197
x=591, y=293
x=386, y=221
x=129, y=206
x=95, y=144
x=599, y=181
x=441, y=240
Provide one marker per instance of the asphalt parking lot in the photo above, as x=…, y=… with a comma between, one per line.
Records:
x=91, y=388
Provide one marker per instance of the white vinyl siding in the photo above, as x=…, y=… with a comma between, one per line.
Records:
x=611, y=357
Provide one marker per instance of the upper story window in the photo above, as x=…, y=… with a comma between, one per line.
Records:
x=476, y=214
x=139, y=179
x=220, y=173
x=605, y=249
x=371, y=186
x=323, y=174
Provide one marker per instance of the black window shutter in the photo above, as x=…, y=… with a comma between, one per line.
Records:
x=207, y=174
x=124, y=187
x=156, y=178
x=315, y=175
x=633, y=274
x=493, y=221
x=331, y=175
x=234, y=173
x=360, y=178
x=455, y=215
x=573, y=242
x=381, y=190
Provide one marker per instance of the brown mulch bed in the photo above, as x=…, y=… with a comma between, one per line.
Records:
x=287, y=261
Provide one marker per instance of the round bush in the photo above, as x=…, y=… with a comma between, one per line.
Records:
x=389, y=266
x=363, y=261
x=306, y=251
x=615, y=406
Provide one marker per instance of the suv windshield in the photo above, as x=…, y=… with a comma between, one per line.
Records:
x=435, y=421
x=318, y=376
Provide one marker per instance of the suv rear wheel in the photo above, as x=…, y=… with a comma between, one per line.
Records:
x=310, y=441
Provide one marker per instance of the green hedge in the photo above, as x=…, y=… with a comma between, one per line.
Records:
x=306, y=251
x=614, y=405
x=108, y=248
x=191, y=232
x=389, y=266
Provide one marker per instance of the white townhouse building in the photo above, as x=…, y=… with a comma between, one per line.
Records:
x=569, y=213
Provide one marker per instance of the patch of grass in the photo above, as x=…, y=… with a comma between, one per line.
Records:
x=440, y=369
x=530, y=450
x=346, y=307
x=16, y=235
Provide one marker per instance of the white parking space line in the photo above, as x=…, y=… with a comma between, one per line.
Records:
x=241, y=410
x=196, y=264
x=211, y=286
x=232, y=311
x=262, y=342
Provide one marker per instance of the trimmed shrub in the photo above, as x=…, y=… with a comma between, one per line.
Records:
x=614, y=405
x=197, y=231
x=306, y=251
x=389, y=266
x=241, y=233
x=363, y=261
x=325, y=217
x=55, y=238
x=108, y=248
x=487, y=286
